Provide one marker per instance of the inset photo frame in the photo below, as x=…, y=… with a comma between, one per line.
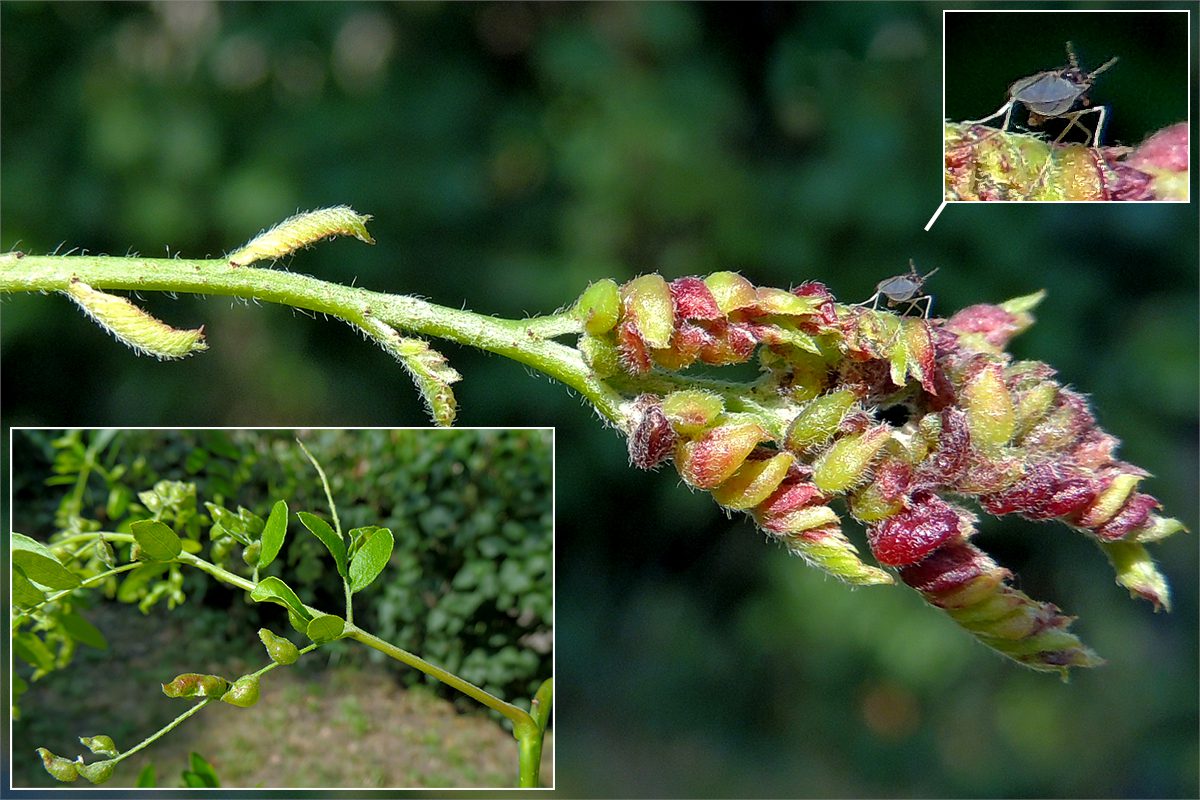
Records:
x=1066, y=106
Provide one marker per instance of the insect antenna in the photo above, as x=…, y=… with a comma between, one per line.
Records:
x=1071, y=57
x=1103, y=67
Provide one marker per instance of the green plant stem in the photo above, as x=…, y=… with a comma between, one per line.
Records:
x=337, y=526
x=169, y=727
x=513, y=713
x=526, y=341
x=92, y=581
x=99, y=442
x=529, y=757
x=526, y=729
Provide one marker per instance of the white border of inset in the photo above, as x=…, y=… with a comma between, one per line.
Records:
x=337, y=790
x=1191, y=131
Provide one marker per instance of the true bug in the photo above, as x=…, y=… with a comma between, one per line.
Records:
x=903, y=289
x=1052, y=94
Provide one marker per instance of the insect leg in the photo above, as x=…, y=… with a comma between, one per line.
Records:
x=1005, y=110
x=928, y=298
x=873, y=300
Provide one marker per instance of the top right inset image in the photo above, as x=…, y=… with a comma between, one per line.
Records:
x=1066, y=106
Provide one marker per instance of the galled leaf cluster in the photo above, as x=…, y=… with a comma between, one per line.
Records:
x=983, y=163
x=900, y=418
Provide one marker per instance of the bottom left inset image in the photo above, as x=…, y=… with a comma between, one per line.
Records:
x=306, y=609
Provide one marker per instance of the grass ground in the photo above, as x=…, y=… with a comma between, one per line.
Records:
x=322, y=725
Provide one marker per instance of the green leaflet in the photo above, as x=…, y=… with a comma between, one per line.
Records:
x=320, y=528
x=303, y=230
x=281, y=650
x=134, y=327
x=101, y=745
x=201, y=775
x=243, y=693
x=158, y=542
x=24, y=593
x=83, y=631
x=146, y=778
x=192, y=684
x=30, y=648
x=39, y=563
x=59, y=767
x=97, y=771
x=427, y=367
x=325, y=628
x=274, y=590
x=372, y=556
x=273, y=534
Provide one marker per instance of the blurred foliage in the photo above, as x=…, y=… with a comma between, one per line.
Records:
x=511, y=153
x=469, y=583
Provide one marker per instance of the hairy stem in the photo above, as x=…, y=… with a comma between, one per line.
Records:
x=526, y=341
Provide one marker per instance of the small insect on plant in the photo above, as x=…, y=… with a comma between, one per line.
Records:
x=1052, y=95
x=904, y=288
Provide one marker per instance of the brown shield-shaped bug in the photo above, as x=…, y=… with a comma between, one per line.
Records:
x=904, y=288
x=1054, y=94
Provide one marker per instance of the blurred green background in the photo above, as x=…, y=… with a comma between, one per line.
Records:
x=510, y=154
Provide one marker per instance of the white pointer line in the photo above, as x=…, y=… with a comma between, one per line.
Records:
x=936, y=214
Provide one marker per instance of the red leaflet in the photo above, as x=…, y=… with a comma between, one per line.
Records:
x=694, y=300
x=652, y=438
x=1133, y=515
x=911, y=535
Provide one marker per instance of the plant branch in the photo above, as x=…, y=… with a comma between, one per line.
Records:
x=524, y=341
x=516, y=715
x=166, y=729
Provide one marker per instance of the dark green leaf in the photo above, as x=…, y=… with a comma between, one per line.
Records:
x=83, y=631
x=24, y=593
x=146, y=778
x=274, y=590
x=320, y=528
x=273, y=534
x=204, y=770
x=193, y=780
x=158, y=542
x=325, y=628
x=33, y=651
x=40, y=565
x=372, y=556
